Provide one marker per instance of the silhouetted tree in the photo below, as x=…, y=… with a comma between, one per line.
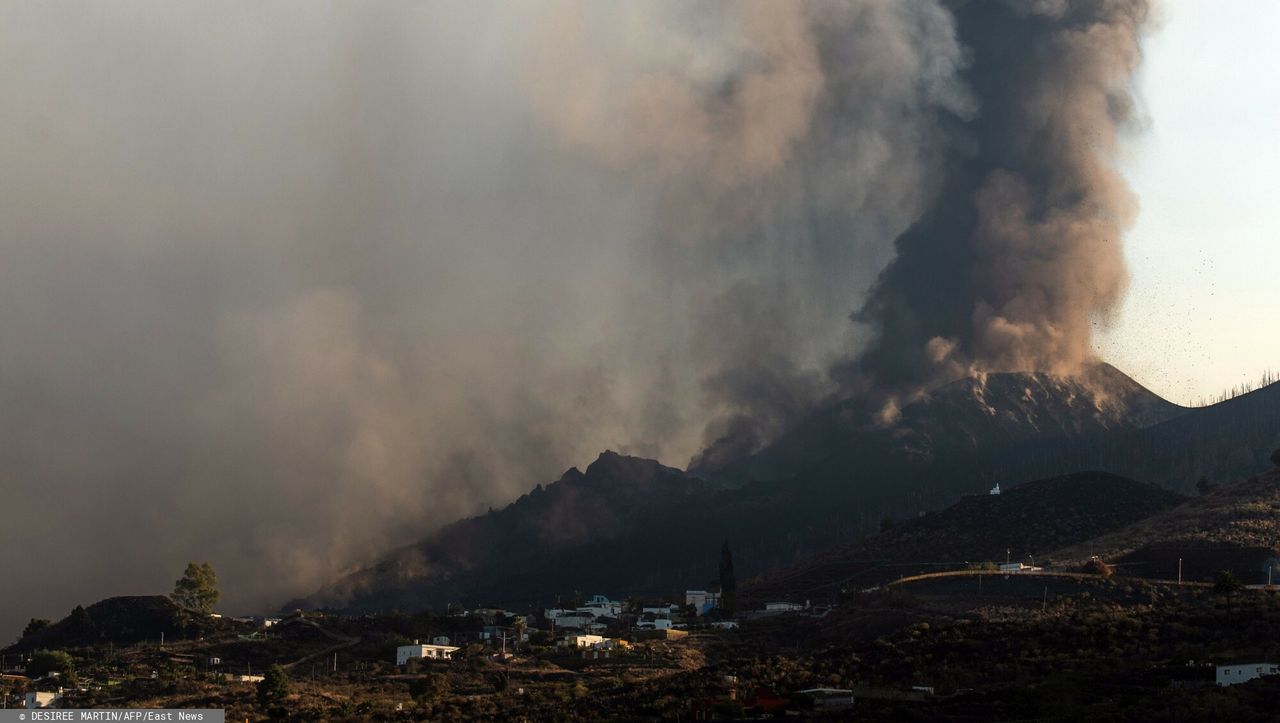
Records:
x=273, y=688
x=1275, y=457
x=50, y=661
x=80, y=623
x=35, y=625
x=887, y=524
x=197, y=589
x=1204, y=485
x=728, y=584
x=1227, y=584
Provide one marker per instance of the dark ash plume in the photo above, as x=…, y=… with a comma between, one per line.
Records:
x=1020, y=254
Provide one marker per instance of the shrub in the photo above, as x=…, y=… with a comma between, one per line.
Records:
x=50, y=661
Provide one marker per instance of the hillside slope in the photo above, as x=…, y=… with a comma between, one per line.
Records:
x=601, y=528
x=121, y=621
x=983, y=413
x=631, y=526
x=1023, y=523
x=1242, y=514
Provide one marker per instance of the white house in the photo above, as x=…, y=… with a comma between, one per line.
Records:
x=783, y=607
x=583, y=641
x=995, y=490
x=573, y=622
x=655, y=624
x=660, y=611
x=42, y=700
x=703, y=601
x=829, y=697
x=405, y=653
x=1235, y=673
x=1017, y=567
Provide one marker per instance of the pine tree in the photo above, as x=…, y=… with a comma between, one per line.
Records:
x=728, y=584
x=197, y=589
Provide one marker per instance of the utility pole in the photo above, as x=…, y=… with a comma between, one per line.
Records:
x=1179, y=572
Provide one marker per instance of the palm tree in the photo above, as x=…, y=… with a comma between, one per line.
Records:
x=1227, y=584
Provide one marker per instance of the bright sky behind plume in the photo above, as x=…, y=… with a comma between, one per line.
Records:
x=1203, y=304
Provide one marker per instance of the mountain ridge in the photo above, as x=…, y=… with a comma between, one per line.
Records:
x=632, y=526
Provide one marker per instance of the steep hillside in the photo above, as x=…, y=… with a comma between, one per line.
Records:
x=1242, y=514
x=1227, y=441
x=602, y=528
x=119, y=620
x=983, y=413
x=1024, y=522
x=631, y=526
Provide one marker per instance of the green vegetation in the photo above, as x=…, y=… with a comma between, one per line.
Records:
x=44, y=662
x=1228, y=585
x=273, y=688
x=35, y=625
x=197, y=589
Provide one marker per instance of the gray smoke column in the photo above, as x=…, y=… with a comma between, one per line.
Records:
x=783, y=146
x=1020, y=255
x=285, y=286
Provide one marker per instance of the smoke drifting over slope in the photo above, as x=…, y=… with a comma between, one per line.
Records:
x=283, y=285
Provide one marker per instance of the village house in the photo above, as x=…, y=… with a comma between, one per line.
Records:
x=1015, y=567
x=405, y=653
x=573, y=621
x=783, y=607
x=42, y=700
x=829, y=698
x=582, y=641
x=655, y=624
x=703, y=601
x=1236, y=673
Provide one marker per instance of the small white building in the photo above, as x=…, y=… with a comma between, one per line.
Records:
x=1236, y=673
x=995, y=490
x=1010, y=567
x=655, y=624
x=783, y=607
x=583, y=641
x=573, y=622
x=405, y=653
x=42, y=700
x=829, y=697
x=703, y=601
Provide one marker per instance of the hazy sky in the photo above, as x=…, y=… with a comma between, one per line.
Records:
x=1203, y=305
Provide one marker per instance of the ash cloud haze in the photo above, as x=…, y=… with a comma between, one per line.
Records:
x=1021, y=254
x=285, y=285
